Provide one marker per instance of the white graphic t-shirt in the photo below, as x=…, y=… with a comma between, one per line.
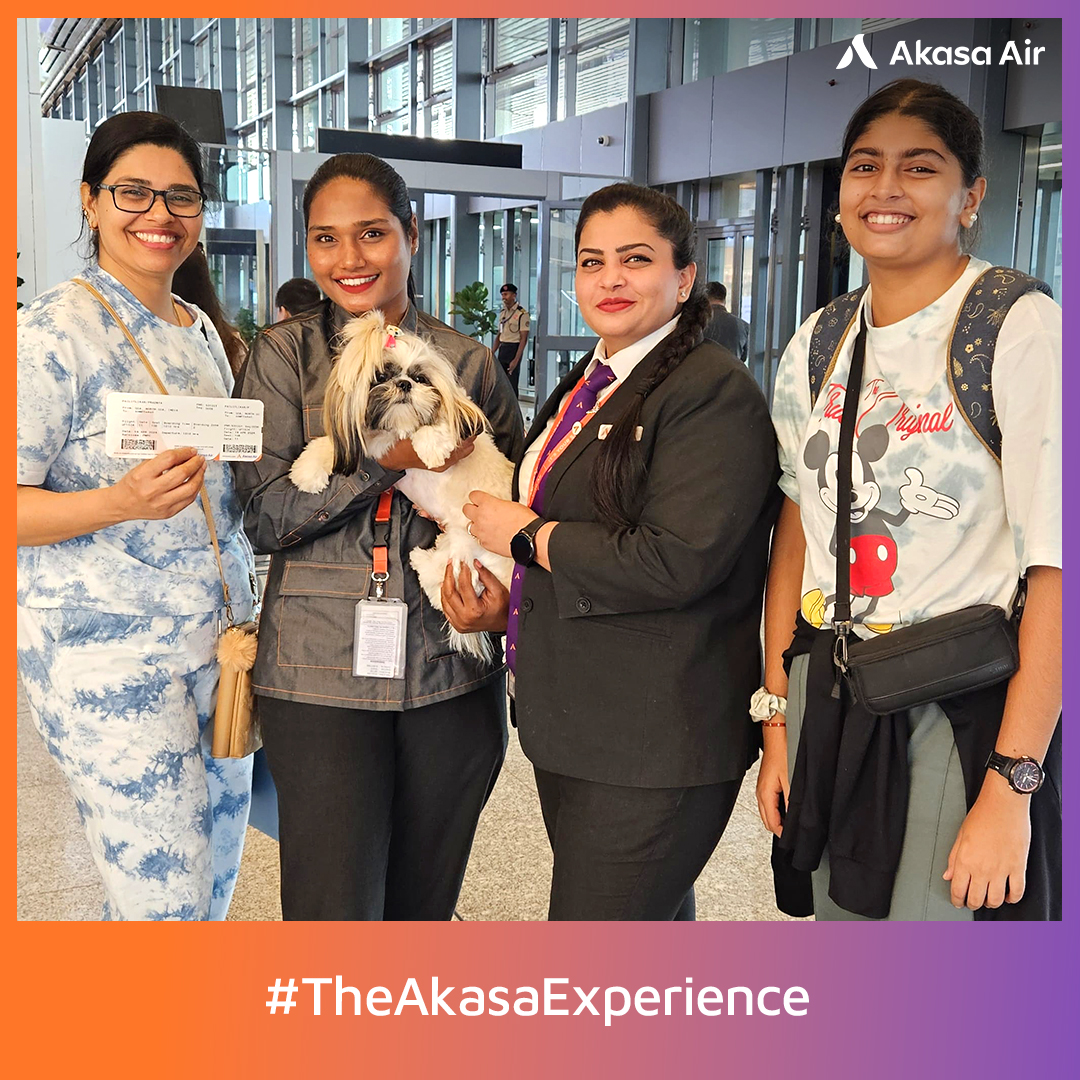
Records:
x=937, y=524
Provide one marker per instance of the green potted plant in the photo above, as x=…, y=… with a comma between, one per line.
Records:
x=470, y=304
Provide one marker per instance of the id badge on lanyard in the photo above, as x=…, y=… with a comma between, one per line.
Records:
x=379, y=627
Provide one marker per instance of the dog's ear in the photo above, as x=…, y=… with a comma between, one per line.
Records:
x=470, y=417
x=365, y=340
x=458, y=407
x=340, y=424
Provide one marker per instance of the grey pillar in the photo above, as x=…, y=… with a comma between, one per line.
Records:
x=553, y=70
x=465, y=245
x=650, y=46
x=467, y=80
x=128, y=89
x=227, y=74
x=357, y=78
x=282, y=85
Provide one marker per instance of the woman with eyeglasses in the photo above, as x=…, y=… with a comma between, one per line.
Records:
x=119, y=592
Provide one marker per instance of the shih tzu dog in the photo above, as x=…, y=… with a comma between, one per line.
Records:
x=387, y=385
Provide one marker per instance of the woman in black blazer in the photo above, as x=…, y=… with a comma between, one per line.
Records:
x=641, y=541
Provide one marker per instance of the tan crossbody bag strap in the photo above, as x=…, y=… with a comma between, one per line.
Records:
x=161, y=387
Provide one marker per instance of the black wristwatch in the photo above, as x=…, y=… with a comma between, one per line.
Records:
x=523, y=544
x=1025, y=774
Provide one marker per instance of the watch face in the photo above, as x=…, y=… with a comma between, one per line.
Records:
x=522, y=549
x=1026, y=776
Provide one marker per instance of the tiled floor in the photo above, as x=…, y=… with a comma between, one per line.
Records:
x=507, y=878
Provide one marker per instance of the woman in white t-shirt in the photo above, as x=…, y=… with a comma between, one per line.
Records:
x=938, y=524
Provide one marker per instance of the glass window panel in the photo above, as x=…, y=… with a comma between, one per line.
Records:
x=334, y=48
x=305, y=121
x=396, y=125
x=442, y=120
x=602, y=75
x=590, y=28
x=202, y=63
x=335, y=106
x=521, y=101
x=519, y=39
x=266, y=49
x=714, y=46
x=564, y=313
x=140, y=50
x=721, y=260
x=391, y=31
x=393, y=88
x=747, y=289
x=442, y=69
x=843, y=29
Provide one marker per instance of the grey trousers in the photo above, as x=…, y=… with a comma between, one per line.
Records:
x=936, y=809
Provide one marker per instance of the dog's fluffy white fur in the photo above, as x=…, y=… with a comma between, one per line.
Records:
x=377, y=395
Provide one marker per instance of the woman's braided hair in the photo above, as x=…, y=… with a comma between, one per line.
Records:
x=620, y=465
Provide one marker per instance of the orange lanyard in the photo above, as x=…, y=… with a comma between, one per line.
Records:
x=379, y=555
x=546, y=460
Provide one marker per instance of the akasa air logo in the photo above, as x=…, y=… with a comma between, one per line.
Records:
x=945, y=55
x=857, y=46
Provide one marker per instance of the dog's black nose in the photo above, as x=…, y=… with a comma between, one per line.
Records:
x=404, y=385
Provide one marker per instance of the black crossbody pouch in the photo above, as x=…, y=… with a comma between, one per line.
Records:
x=950, y=654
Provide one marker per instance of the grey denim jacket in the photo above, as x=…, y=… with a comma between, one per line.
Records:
x=321, y=544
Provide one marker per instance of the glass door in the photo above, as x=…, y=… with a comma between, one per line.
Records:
x=562, y=336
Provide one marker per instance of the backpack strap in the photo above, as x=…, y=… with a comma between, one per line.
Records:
x=971, y=348
x=830, y=333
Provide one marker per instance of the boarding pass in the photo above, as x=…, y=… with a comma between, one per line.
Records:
x=143, y=425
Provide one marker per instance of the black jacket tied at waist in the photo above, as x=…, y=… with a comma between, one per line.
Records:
x=849, y=790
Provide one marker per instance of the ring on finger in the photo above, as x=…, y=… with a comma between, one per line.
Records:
x=468, y=529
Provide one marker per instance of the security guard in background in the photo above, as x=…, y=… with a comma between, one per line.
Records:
x=509, y=347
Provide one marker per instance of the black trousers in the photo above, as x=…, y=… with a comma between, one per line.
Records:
x=378, y=810
x=629, y=853
x=507, y=352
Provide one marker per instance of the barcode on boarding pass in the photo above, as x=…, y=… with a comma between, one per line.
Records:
x=138, y=444
x=239, y=448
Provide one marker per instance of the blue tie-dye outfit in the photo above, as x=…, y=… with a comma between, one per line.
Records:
x=117, y=628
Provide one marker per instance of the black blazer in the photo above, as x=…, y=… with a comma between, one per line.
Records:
x=638, y=653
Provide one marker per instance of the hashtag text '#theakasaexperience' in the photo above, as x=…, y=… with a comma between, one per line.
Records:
x=556, y=998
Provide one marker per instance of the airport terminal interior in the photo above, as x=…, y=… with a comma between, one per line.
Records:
x=501, y=127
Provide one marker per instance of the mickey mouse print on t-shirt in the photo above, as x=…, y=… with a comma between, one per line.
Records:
x=873, y=549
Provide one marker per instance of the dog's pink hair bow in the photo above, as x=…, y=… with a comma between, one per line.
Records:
x=391, y=337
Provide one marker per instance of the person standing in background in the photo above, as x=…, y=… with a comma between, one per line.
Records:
x=727, y=330
x=296, y=295
x=509, y=348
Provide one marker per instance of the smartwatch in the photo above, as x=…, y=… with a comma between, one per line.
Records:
x=523, y=544
x=1025, y=774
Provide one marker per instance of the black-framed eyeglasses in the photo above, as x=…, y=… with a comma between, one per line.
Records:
x=136, y=199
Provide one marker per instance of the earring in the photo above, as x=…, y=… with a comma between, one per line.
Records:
x=974, y=218
x=682, y=296
x=837, y=219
